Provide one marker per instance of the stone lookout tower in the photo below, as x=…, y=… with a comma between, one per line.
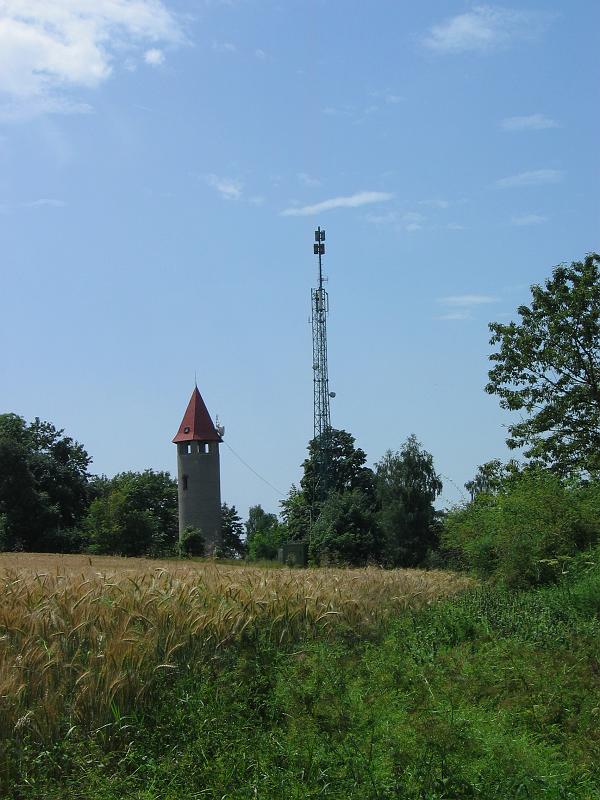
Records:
x=198, y=472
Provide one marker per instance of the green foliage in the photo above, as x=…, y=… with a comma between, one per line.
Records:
x=346, y=531
x=264, y=534
x=548, y=366
x=490, y=695
x=347, y=472
x=43, y=486
x=134, y=514
x=527, y=532
x=407, y=485
x=490, y=477
x=192, y=542
x=232, y=545
x=297, y=514
x=265, y=544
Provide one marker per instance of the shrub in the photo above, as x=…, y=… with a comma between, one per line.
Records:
x=192, y=542
x=526, y=533
x=346, y=531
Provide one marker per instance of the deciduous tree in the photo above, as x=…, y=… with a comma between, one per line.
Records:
x=548, y=368
x=135, y=514
x=407, y=485
x=43, y=485
x=347, y=473
x=232, y=529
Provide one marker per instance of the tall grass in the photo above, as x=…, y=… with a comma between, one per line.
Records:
x=85, y=641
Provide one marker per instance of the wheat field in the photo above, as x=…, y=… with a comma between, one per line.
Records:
x=85, y=640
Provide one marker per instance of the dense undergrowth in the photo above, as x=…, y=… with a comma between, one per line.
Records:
x=492, y=694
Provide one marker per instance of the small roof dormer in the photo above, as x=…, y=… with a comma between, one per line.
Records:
x=196, y=425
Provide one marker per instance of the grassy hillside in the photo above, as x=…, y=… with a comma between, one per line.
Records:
x=391, y=694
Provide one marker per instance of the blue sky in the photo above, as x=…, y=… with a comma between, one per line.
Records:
x=163, y=166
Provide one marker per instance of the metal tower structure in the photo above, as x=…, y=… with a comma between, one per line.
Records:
x=321, y=393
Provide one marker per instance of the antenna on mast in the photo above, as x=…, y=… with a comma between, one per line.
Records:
x=321, y=393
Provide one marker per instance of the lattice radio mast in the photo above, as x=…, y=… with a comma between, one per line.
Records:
x=321, y=393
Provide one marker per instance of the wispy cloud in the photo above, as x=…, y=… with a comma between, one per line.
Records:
x=467, y=300
x=154, y=57
x=50, y=49
x=42, y=202
x=529, y=219
x=260, y=54
x=412, y=221
x=536, y=177
x=50, y=202
x=408, y=221
x=308, y=180
x=456, y=315
x=460, y=306
x=228, y=188
x=484, y=28
x=533, y=122
x=435, y=202
x=349, y=201
x=224, y=47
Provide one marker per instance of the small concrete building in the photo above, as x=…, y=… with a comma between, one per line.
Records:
x=198, y=472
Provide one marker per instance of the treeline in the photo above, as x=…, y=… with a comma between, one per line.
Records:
x=49, y=502
x=522, y=525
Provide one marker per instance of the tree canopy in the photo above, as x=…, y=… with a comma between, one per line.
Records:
x=347, y=473
x=43, y=486
x=264, y=534
x=232, y=529
x=548, y=366
x=135, y=514
x=407, y=485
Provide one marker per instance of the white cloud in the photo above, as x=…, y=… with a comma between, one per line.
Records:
x=49, y=202
x=456, y=315
x=154, y=57
x=389, y=218
x=467, y=300
x=224, y=47
x=461, y=305
x=529, y=219
x=408, y=221
x=454, y=226
x=482, y=29
x=533, y=122
x=228, y=188
x=536, y=177
x=350, y=201
x=48, y=48
x=260, y=54
x=435, y=203
x=43, y=202
x=412, y=221
x=308, y=180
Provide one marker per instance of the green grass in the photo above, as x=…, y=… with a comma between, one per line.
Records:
x=491, y=695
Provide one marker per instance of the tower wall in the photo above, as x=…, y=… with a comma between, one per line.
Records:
x=199, y=490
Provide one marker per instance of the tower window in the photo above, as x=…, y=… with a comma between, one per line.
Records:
x=206, y=447
x=188, y=448
x=184, y=481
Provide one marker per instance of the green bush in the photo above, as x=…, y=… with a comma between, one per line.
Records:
x=346, y=531
x=526, y=534
x=192, y=542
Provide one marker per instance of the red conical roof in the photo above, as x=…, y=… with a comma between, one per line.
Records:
x=196, y=424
